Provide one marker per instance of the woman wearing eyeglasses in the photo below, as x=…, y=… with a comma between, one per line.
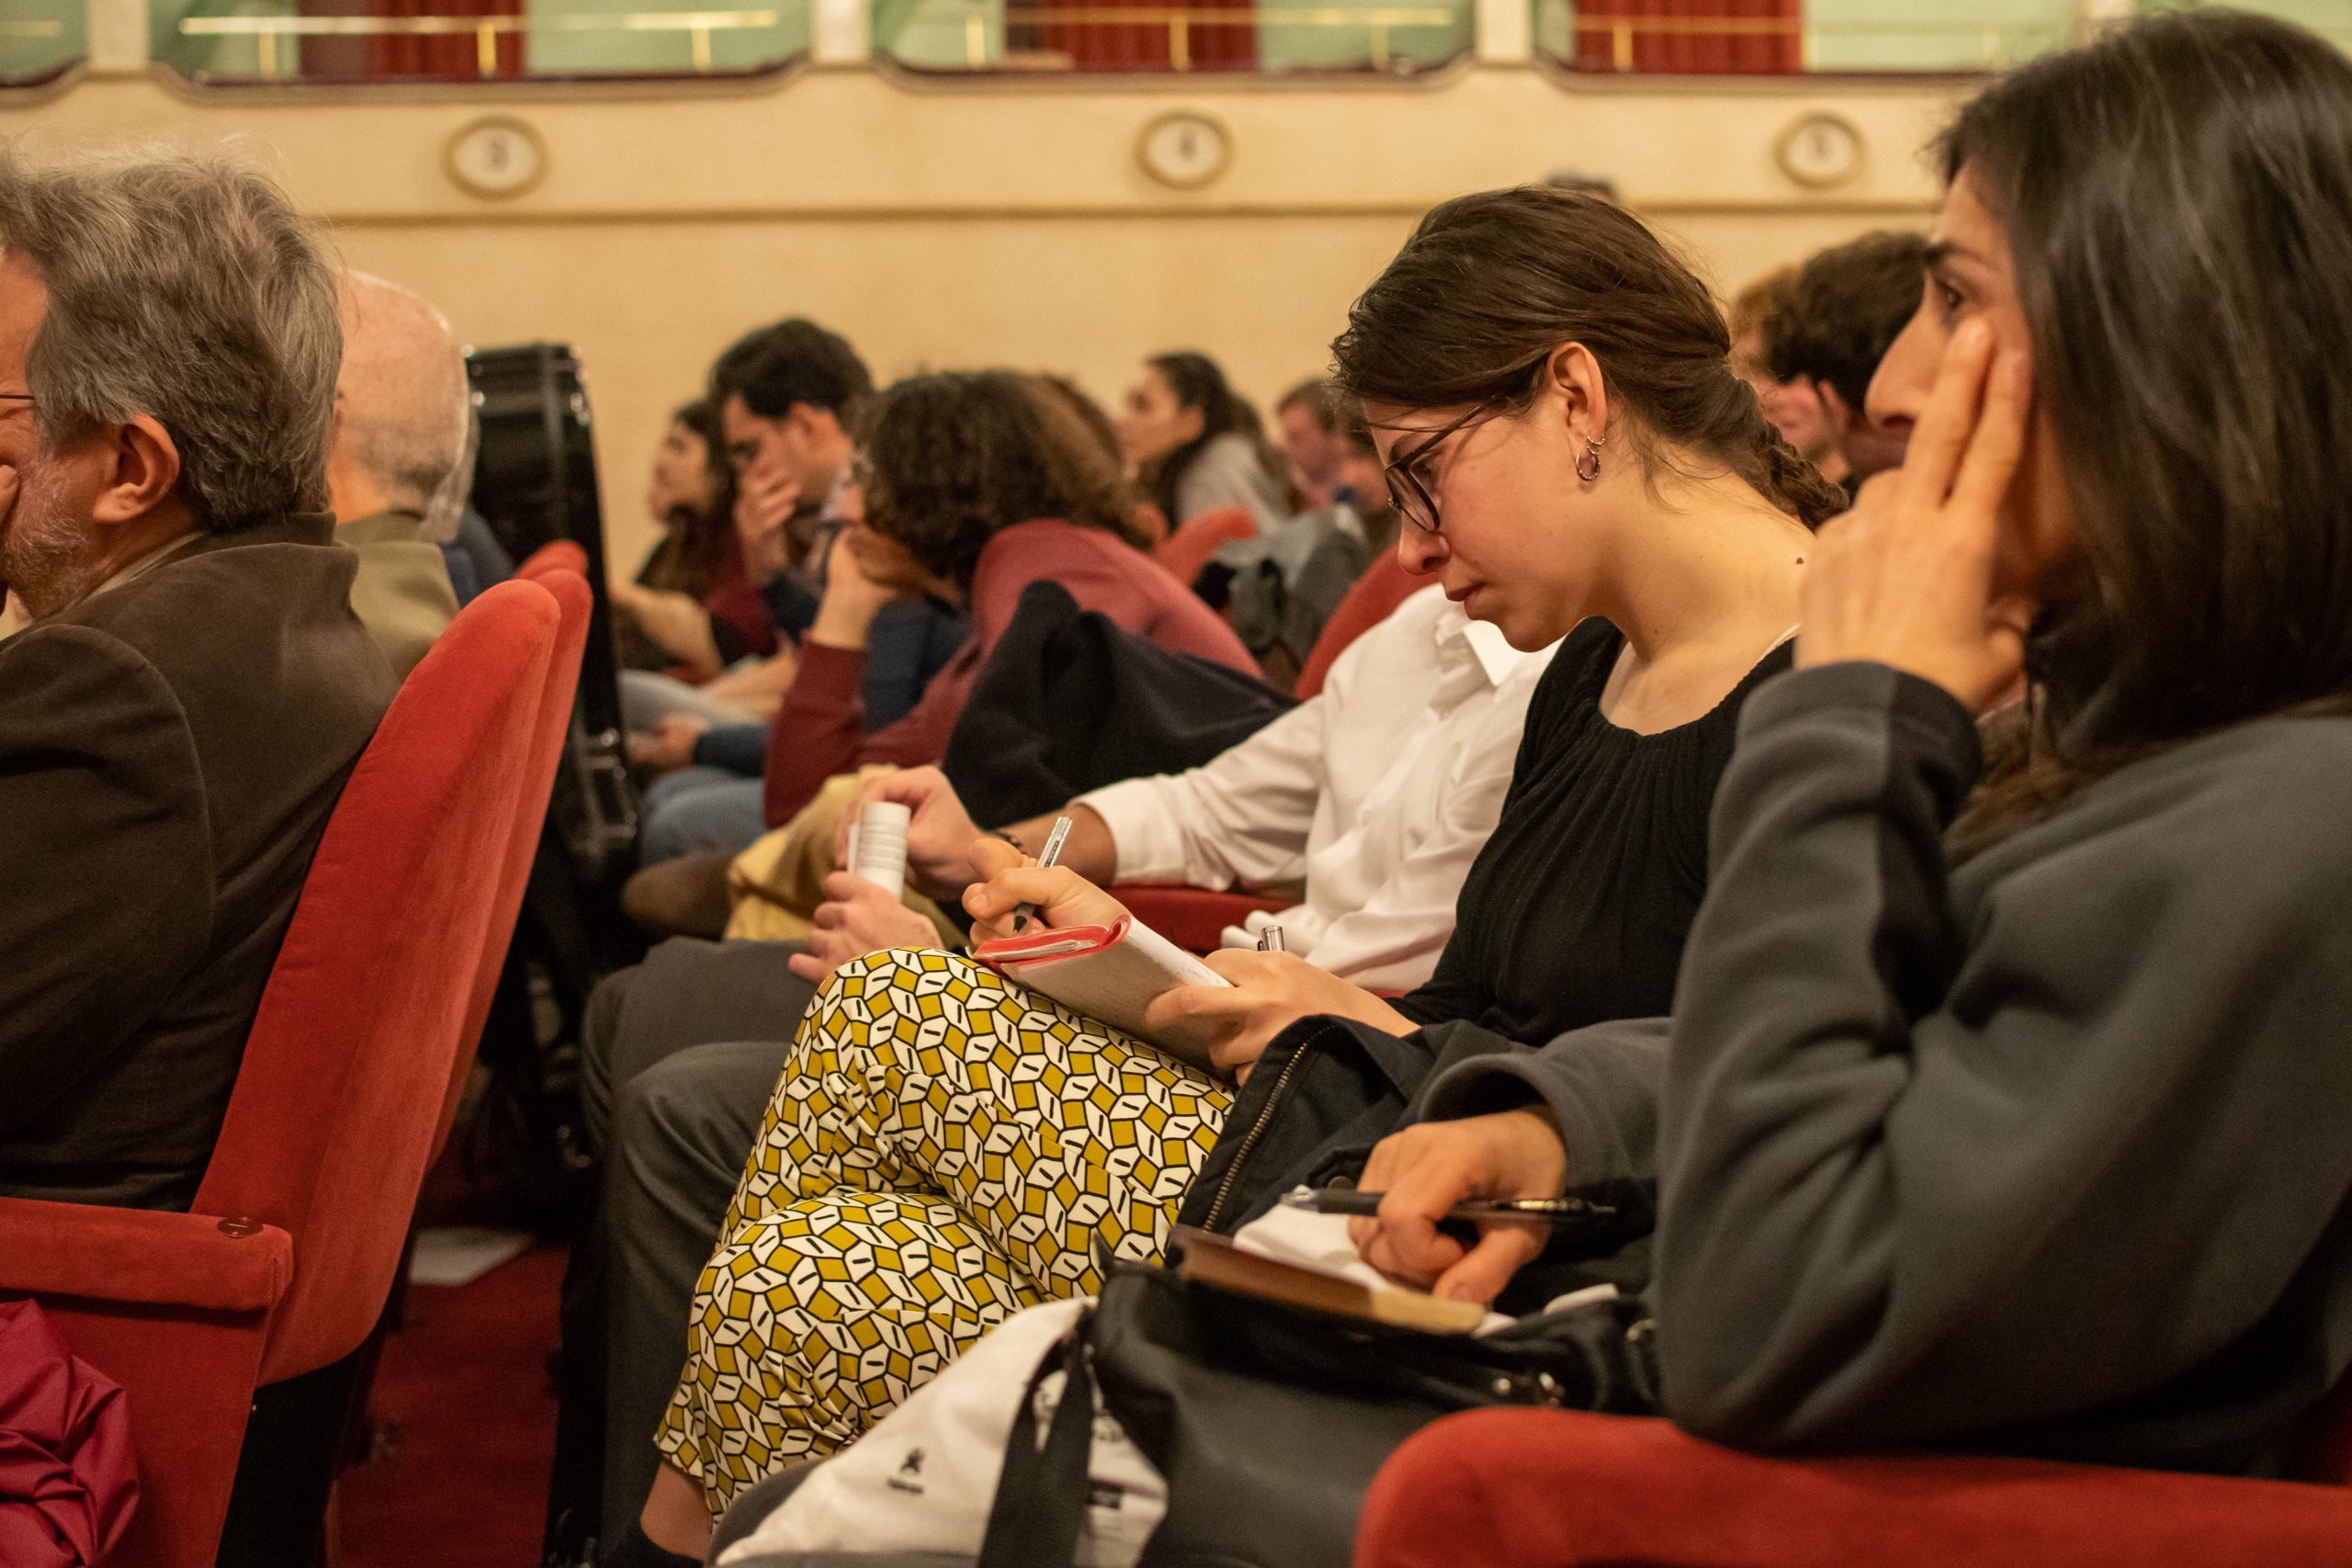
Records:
x=1573, y=457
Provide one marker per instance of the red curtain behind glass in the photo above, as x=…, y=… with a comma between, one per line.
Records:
x=1687, y=46
x=450, y=57
x=1095, y=46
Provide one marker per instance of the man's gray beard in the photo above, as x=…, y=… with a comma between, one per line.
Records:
x=42, y=553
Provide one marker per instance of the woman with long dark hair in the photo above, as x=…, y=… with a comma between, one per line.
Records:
x=1575, y=458
x=1195, y=445
x=690, y=602
x=2004, y=1102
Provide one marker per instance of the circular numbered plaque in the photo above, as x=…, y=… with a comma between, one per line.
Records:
x=497, y=156
x=1820, y=150
x=1186, y=149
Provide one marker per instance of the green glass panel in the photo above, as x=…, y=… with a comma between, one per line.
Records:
x=240, y=40
x=1304, y=36
x=40, y=38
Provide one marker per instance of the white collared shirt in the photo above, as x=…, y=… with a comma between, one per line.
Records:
x=1379, y=791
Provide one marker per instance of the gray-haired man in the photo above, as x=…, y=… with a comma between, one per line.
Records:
x=397, y=470
x=178, y=720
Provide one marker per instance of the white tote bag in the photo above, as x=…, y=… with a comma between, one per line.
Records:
x=925, y=1478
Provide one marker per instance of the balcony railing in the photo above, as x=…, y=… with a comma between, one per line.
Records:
x=979, y=35
x=385, y=41
x=1822, y=34
x=278, y=47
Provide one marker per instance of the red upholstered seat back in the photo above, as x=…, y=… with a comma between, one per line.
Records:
x=570, y=590
x=556, y=555
x=2326, y=1454
x=341, y=1082
x=1384, y=585
x=1188, y=550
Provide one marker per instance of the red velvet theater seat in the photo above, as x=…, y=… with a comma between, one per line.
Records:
x=1188, y=550
x=283, y=1263
x=555, y=555
x=551, y=566
x=1552, y=1489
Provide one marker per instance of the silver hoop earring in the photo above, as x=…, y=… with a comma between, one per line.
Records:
x=1591, y=455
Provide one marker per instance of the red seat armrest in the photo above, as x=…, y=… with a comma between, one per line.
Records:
x=1514, y=1489
x=1191, y=918
x=142, y=1256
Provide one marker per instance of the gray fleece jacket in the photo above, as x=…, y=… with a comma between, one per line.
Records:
x=2049, y=1153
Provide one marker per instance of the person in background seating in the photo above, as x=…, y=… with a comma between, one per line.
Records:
x=177, y=720
x=1794, y=407
x=403, y=424
x=1315, y=442
x=1195, y=446
x=2004, y=1102
x=785, y=396
x=691, y=605
x=1841, y=316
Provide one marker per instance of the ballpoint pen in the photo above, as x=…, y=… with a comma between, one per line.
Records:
x=1539, y=1211
x=1024, y=913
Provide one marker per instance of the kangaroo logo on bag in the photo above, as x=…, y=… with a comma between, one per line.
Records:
x=910, y=1466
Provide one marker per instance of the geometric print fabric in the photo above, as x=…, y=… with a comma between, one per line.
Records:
x=942, y=1150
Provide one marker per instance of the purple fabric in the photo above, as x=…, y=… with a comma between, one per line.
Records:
x=68, y=1484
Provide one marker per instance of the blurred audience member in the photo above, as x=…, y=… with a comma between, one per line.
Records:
x=177, y=721
x=1794, y=408
x=976, y=484
x=1315, y=441
x=1195, y=446
x=1843, y=313
x=785, y=395
x=404, y=438
x=691, y=605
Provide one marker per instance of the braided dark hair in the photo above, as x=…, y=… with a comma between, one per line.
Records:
x=1490, y=285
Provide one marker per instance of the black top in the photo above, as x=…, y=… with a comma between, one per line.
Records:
x=1576, y=909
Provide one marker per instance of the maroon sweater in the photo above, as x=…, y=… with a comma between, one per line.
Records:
x=819, y=729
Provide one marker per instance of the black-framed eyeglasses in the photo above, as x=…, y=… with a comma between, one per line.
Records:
x=17, y=397
x=1412, y=497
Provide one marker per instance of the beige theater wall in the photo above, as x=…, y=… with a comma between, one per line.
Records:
x=973, y=223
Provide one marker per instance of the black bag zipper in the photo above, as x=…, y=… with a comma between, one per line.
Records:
x=1249, y=1139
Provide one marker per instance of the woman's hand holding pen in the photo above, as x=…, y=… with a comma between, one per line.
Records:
x=1269, y=991
x=1010, y=879
x=1428, y=1168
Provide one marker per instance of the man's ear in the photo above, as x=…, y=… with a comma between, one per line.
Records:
x=1842, y=415
x=144, y=469
x=812, y=425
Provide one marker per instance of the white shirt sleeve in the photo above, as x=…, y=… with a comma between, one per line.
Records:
x=1242, y=816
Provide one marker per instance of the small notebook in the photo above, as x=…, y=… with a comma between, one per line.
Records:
x=1217, y=1261
x=1109, y=973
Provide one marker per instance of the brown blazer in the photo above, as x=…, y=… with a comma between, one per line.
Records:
x=170, y=750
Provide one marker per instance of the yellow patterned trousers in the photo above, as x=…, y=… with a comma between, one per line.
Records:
x=942, y=1150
